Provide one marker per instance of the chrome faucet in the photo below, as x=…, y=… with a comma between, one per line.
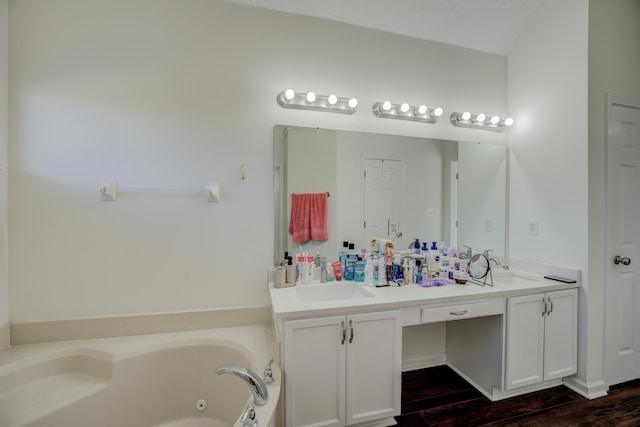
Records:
x=489, y=259
x=466, y=255
x=258, y=387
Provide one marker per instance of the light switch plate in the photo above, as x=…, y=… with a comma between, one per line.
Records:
x=532, y=227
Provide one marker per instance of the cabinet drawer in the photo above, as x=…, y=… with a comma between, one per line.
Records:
x=465, y=310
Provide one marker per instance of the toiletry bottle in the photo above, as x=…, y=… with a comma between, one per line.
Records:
x=418, y=273
x=368, y=271
x=359, y=270
x=352, y=258
x=406, y=272
x=310, y=269
x=416, y=246
x=337, y=270
x=290, y=272
x=382, y=269
x=374, y=245
x=342, y=255
x=317, y=260
x=301, y=269
x=323, y=270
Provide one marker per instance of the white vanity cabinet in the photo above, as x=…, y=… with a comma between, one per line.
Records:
x=541, y=337
x=342, y=370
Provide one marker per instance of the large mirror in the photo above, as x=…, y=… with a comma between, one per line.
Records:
x=391, y=187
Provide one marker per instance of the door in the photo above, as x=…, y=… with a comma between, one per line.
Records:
x=314, y=360
x=383, y=201
x=623, y=235
x=560, y=334
x=374, y=366
x=524, y=341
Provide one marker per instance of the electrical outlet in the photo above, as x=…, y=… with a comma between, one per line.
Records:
x=532, y=227
x=488, y=225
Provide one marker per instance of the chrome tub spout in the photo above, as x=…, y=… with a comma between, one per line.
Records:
x=258, y=387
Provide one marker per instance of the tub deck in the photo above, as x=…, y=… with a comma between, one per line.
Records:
x=45, y=384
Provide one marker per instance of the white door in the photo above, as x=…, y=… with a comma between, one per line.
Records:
x=623, y=238
x=524, y=341
x=560, y=334
x=383, y=201
x=374, y=366
x=314, y=364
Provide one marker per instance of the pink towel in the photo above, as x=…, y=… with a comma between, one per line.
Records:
x=308, y=217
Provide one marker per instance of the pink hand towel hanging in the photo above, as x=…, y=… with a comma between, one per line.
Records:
x=308, y=217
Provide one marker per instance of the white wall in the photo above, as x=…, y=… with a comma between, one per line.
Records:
x=4, y=135
x=547, y=81
x=614, y=68
x=170, y=94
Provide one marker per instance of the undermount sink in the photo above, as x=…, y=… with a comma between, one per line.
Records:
x=510, y=277
x=320, y=293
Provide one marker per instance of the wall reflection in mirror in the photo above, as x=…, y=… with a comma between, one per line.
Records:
x=391, y=187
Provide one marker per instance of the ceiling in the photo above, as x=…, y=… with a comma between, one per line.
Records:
x=491, y=26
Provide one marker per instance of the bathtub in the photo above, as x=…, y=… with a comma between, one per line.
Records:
x=158, y=380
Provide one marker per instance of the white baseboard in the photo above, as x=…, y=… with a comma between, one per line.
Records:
x=591, y=390
x=424, y=362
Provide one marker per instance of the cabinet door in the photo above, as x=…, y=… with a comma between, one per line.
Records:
x=374, y=366
x=524, y=340
x=561, y=332
x=314, y=361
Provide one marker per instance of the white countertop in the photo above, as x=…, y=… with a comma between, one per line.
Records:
x=287, y=303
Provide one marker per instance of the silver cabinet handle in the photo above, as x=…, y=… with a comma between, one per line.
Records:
x=351, y=327
x=458, y=313
x=550, y=306
x=344, y=332
x=544, y=306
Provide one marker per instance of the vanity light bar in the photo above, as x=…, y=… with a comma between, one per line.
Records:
x=480, y=121
x=421, y=113
x=311, y=101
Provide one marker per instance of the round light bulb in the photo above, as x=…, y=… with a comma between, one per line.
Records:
x=353, y=103
x=495, y=120
x=465, y=116
x=422, y=110
x=332, y=99
x=508, y=121
x=438, y=112
x=404, y=108
x=289, y=94
x=480, y=118
x=311, y=98
x=386, y=106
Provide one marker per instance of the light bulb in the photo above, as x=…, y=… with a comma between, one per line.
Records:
x=508, y=121
x=465, y=116
x=386, y=106
x=289, y=94
x=438, y=112
x=495, y=120
x=422, y=110
x=332, y=99
x=480, y=118
x=404, y=108
x=311, y=98
x=353, y=103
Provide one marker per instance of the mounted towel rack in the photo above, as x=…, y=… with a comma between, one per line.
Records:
x=328, y=194
x=211, y=191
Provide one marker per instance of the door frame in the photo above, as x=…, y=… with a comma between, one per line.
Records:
x=611, y=102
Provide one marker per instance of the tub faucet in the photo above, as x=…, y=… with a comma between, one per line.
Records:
x=258, y=387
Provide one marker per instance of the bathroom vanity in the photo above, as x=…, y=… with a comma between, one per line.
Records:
x=341, y=343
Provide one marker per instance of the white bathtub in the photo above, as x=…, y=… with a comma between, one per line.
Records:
x=150, y=380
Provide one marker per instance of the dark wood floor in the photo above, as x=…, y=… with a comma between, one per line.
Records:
x=439, y=397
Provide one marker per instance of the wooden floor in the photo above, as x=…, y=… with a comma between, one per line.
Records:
x=439, y=397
